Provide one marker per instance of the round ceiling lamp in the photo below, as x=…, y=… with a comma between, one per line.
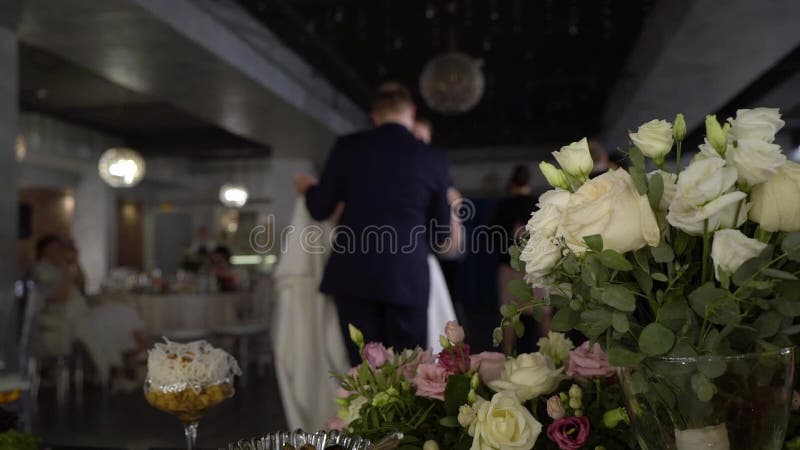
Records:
x=452, y=83
x=121, y=167
x=233, y=195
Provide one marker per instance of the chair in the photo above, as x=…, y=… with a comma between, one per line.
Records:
x=252, y=329
x=17, y=383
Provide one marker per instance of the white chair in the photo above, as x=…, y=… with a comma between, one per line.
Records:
x=18, y=378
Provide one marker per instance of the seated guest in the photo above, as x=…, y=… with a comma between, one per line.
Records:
x=63, y=303
x=227, y=278
x=71, y=257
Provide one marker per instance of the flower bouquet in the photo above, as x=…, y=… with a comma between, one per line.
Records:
x=558, y=398
x=688, y=279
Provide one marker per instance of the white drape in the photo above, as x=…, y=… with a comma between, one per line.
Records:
x=308, y=342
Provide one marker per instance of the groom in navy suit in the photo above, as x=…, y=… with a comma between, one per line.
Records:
x=394, y=191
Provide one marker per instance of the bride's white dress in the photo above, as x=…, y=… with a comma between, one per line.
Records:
x=308, y=343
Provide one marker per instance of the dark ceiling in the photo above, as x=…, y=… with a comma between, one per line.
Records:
x=52, y=85
x=549, y=64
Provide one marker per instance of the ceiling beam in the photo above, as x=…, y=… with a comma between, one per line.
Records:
x=695, y=56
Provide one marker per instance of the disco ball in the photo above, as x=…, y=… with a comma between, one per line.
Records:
x=233, y=195
x=452, y=83
x=121, y=167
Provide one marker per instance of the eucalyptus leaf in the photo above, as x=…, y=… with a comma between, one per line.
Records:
x=449, y=422
x=656, y=190
x=779, y=274
x=662, y=253
x=711, y=367
x=790, y=330
x=595, y=322
x=620, y=322
x=637, y=158
x=520, y=290
x=656, y=339
x=673, y=314
x=768, y=324
x=614, y=260
x=714, y=304
x=639, y=179
x=641, y=257
x=622, y=357
x=619, y=298
x=509, y=310
x=747, y=271
x=565, y=319
x=791, y=246
x=519, y=328
x=682, y=241
x=643, y=279
x=594, y=242
x=659, y=277
x=703, y=387
x=593, y=271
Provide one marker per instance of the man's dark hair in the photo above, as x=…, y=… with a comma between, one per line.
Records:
x=391, y=97
x=222, y=250
x=520, y=176
x=44, y=242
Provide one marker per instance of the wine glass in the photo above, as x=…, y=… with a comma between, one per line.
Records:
x=188, y=402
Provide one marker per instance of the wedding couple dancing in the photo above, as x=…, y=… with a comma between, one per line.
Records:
x=390, y=196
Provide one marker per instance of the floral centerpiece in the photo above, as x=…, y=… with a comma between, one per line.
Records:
x=558, y=398
x=688, y=277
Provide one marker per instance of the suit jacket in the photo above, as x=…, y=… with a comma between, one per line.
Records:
x=394, y=188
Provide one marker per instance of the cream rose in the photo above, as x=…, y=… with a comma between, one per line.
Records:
x=755, y=161
x=670, y=187
x=529, y=376
x=504, y=423
x=776, y=203
x=610, y=206
x=545, y=221
x=654, y=139
x=731, y=249
x=705, y=193
x=757, y=123
x=576, y=159
x=540, y=255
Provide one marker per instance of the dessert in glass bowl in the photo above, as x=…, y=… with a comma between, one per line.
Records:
x=186, y=380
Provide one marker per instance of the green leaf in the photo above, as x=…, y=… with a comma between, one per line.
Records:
x=637, y=158
x=595, y=322
x=794, y=329
x=748, y=271
x=787, y=301
x=659, y=277
x=768, y=324
x=570, y=264
x=519, y=328
x=593, y=271
x=614, y=260
x=565, y=319
x=703, y=387
x=662, y=253
x=656, y=339
x=619, y=298
x=509, y=310
x=656, y=190
x=712, y=367
x=622, y=357
x=643, y=279
x=520, y=290
x=594, y=242
x=620, y=322
x=455, y=393
x=715, y=304
x=681, y=242
x=779, y=274
x=642, y=259
x=639, y=179
x=791, y=246
x=449, y=422
x=674, y=314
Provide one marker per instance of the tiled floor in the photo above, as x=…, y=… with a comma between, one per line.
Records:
x=126, y=421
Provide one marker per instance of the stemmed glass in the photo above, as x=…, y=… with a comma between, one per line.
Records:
x=188, y=403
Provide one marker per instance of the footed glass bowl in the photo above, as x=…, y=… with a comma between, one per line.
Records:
x=321, y=440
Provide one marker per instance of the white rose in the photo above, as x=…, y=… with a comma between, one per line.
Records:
x=504, y=424
x=540, y=255
x=352, y=411
x=556, y=345
x=654, y=139
x=755, y=160
x=576, y=159
x=731, y=249
x=670, y=187
x=705, y=192
x=757, y=123
x=610, y=206
x=529, y=376
x=708, y=151
x=546, y=219
x=776, y=203
x=466, y=415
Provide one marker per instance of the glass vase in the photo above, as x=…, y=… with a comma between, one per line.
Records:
x=738, y=402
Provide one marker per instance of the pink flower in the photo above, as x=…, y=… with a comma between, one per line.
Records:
x=376, y=354
x=455, y=359
x=454, y=332
x=569, y=433
x=431, y=381
x=409, y=369
x=554, y=407
x=490, y=365
x=589, y=361
x=335, y=424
